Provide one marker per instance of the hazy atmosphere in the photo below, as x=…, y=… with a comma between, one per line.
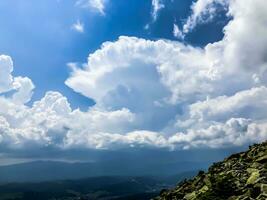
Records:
x=132, y=85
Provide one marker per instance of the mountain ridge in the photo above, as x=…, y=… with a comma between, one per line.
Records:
x=242, y=176
x=93, y=188
x=39, y=171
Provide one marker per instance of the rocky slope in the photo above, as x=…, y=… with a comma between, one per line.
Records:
x=242, y=176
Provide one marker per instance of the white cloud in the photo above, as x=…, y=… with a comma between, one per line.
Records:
x=249, y=103
x=234, y=132
x=115, y=141
x=183, y=75
x=145, y=64
x=97, y=5
x=24, y=90
x=157, y=5
x=78, y=26
x=51, y=122
x=177, y=32
x=22, y=86
x=239, y=36
x=203, y=11
x=151, y=93
x=6, y=68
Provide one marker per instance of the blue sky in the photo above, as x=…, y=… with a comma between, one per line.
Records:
x=93, y=75
x=39, y=37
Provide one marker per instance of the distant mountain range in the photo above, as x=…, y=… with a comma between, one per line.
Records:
x=50, y=171
x=95, y=188
x=124, y=179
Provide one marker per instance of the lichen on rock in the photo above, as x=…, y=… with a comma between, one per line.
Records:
x=242, y=176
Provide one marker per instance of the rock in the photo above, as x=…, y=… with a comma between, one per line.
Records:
x=264, y=189
x=191, y=196
x=253, y=177
x=242, y=176
x=262, y=159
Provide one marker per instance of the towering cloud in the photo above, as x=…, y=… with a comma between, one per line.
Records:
x=148, y=93
x=230, y=72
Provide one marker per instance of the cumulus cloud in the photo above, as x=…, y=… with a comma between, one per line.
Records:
x=6, y=68
x=195, y=82
x=51, y=122
x=248, y=103
x=224, y=120
x=167, y=65
x=21, y=87
x=235, y=131
x=160, y=93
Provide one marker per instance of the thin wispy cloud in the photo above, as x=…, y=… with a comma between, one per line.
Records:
x=95, y=5
x=78, y=27
x=157, y=5
x=203, y=11
x=177, y=32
